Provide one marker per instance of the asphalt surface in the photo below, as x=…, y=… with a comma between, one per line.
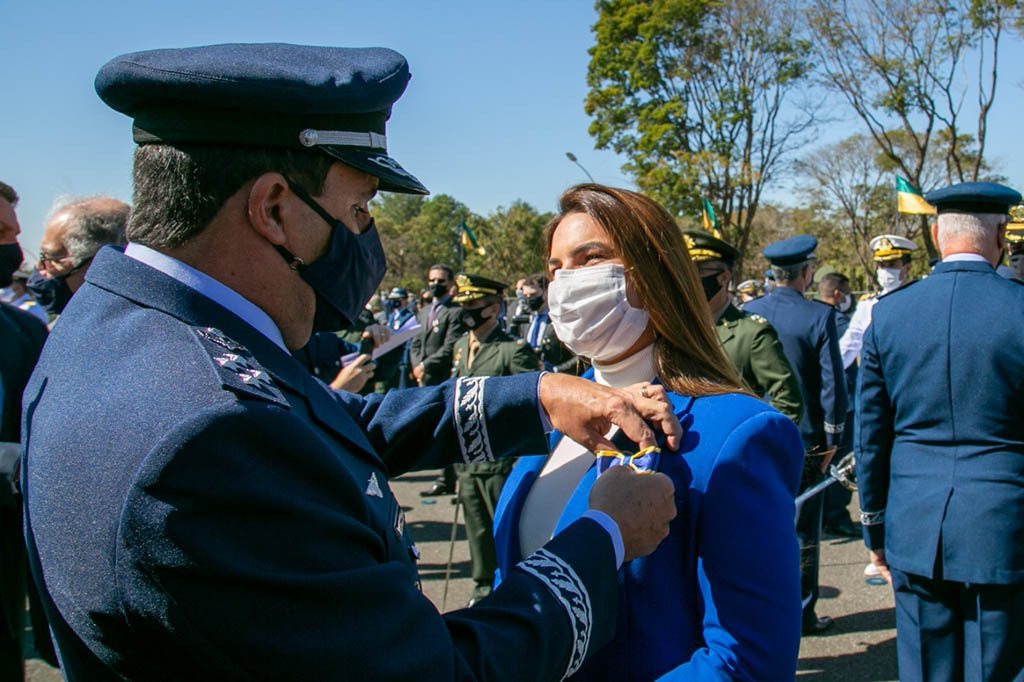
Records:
x=859, y=647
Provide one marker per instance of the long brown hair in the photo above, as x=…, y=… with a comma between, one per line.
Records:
x=689, y=355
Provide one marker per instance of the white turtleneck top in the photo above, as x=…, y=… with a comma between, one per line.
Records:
x=570, y=460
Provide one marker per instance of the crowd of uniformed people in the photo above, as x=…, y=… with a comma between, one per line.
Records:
x=645, y=520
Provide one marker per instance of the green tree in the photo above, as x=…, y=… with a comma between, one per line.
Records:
x=702, y=97
x=512, y=241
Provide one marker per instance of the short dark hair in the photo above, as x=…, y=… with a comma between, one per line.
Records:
x=831, y=282
x=449, y=273
x=538, y=281
x=179, y=188
x=7, y=192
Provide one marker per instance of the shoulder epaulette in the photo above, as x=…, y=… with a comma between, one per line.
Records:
x=757, y=318
x=236, y=367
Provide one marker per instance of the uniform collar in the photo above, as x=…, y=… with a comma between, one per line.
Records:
x=129, y=278
x=966, y=257
x=209, y=287
x=785, y=291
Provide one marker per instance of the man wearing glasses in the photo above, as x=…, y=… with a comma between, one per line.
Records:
x=73, y=235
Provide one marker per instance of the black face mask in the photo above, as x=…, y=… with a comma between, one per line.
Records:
x=346, y=276
x=535, y=303
x=711, y=285
x=438, y=290
x=10, y=260
x=52, y=293
x=473, y=318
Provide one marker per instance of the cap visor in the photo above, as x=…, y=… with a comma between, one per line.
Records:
x=393, y=178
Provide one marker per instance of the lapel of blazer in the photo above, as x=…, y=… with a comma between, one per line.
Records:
x=126, y=277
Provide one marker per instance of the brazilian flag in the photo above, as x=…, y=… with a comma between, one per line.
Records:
x=708, y=219
x=910, y=200
x=469, y=239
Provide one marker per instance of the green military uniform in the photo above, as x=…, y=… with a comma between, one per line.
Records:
x=752, y=345
x=749, y=342
x=499, y=354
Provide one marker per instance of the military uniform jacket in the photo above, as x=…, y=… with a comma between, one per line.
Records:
x=432, y=347
x=200, y=507
x=500, y=354
x=807, y=330
x=754, y=349
x=554, y=355
x=720, y=597
x=940, y=426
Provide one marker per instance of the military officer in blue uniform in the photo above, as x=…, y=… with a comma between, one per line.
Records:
x=807, y=330
x=198, y=506
x=939, y=433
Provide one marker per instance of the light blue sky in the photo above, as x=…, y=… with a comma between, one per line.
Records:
x=495, y=101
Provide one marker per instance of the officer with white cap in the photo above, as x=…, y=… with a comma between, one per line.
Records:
x=892, y=255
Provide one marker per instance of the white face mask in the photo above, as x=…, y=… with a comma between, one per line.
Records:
x=845, y=304
x=590, y=313
x=889, y=278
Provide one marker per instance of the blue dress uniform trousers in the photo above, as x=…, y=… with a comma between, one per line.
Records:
x=200, y=507
x=720, y=597
x=940, y=441
x=810, y=341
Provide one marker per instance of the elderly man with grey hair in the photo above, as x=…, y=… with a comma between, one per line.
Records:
x=75, y=231
x=939, y=433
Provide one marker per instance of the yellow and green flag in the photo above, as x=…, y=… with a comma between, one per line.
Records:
x=469, y=239
x=910, y=200
x=708, y=219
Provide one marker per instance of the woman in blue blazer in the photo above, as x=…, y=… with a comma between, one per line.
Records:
x=720, y=597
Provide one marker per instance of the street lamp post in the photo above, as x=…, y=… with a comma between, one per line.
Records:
x=572, y=157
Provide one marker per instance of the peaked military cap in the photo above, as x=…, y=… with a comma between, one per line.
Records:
x=398, y=292
x=1015, y=228
x=704, y=246
x=333, y=99
x=973, y=197
x=889, y=246
x=475, y=287
x=792, y=251
x=748, y=286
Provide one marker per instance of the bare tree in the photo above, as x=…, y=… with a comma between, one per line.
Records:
x=902, y=66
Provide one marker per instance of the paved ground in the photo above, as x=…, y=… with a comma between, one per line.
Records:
x=860, y=646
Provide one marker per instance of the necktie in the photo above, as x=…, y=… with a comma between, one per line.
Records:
x=474, y=346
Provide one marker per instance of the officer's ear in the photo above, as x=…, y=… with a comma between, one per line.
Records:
x=935, y=233
x=268, y=210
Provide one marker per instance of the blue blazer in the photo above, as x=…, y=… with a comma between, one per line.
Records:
x=807, y=330
x=198, y=506
x=720, y=597
x=940, y=426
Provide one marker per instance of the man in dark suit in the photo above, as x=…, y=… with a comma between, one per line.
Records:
x=536, y=330
x=197, y=504
x=430, y=352
x=21, y=338
x=807, y=330
x=940, y=448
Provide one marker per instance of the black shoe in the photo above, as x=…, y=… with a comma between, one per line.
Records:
x=818, y=625
x=439, y=488
x=843, y=528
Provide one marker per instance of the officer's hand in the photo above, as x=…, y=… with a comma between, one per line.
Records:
x=878, y=559
x=354, y=375
x=642, y=505
x=417, y=372
x=379, y=333
x=585, y=411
